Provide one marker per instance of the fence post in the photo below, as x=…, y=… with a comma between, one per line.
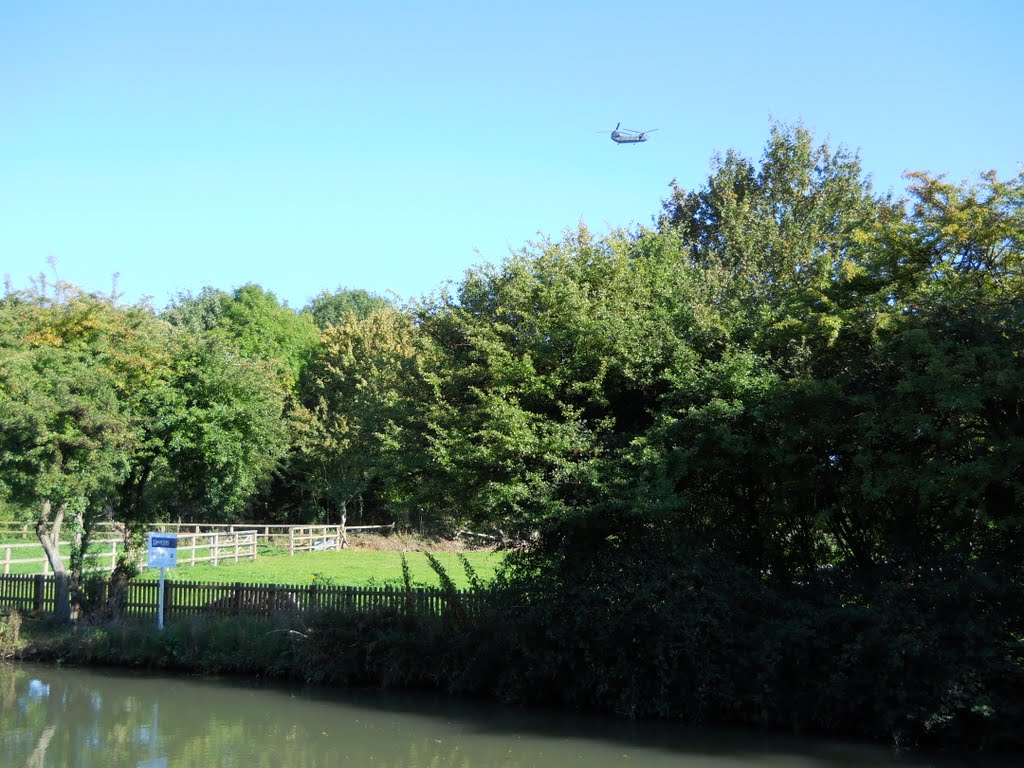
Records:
x=291, y=540
x=168, y=594
x=237, y=598
x=215, y=545
x=37, y=598
x=235, y=536
x=113, y=554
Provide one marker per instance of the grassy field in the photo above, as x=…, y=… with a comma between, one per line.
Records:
x=360, y=566
x=349, y=568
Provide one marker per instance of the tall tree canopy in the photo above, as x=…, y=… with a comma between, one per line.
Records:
x=330, y=309
x=254, y=320
x=67, y=363
x=358, y=421
x=108, y=412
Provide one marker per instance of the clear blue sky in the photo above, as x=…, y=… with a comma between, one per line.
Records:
x=390, y=146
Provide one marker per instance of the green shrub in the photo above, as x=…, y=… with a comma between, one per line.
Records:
x=10, y=634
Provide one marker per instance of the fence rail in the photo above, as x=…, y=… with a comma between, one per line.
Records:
x=22, y=530
x=297, y=538
x=104, y=558
x=34, y=593
x=214, y=548
x=197, y=542
x=264, y=532
x=262, y=529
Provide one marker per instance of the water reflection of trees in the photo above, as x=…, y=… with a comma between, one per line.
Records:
x=57, y=720
x=58, y=717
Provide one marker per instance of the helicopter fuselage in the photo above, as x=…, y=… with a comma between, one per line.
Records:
x=627, y=138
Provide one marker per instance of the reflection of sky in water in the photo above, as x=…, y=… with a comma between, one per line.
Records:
x=37, y=689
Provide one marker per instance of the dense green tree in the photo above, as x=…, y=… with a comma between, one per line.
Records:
x=224, y=433
x=66, y=437
x=264, y=332
x=254, y=320
x=545, y=369
x=938, y=444
x=108, y=412
x=358, y=412
x=330, y=309
x=781, y=249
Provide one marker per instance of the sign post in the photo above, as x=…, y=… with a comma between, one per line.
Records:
x=163, y=554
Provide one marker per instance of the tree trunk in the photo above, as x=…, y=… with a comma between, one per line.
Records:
x=79, y=543
x=38, y=756
x=49, y=536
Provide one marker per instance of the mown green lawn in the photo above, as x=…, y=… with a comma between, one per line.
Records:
x=347, y=568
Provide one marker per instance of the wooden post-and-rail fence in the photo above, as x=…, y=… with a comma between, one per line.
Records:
x=197, y=542
x=102, y=555
x=33, y=593
x=214, y=548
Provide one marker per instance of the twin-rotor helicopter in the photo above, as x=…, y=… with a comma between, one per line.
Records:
x=626, y=136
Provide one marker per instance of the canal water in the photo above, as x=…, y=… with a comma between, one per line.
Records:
x=54, y=717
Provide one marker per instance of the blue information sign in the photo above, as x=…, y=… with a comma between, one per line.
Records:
x=163, y=550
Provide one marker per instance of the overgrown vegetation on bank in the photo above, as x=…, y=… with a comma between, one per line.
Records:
x=908, y=664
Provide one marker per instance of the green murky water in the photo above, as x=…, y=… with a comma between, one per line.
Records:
x=53, y=717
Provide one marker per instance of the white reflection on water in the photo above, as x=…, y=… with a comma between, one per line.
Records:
x=37, y=689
